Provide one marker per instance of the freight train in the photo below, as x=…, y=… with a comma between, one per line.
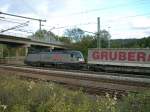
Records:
x=110, y=60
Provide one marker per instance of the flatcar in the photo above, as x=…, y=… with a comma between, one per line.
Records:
x=60, y=58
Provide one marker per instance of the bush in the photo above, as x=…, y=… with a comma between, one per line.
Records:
x=18, y=95
x=135, y=102
x=27, y=96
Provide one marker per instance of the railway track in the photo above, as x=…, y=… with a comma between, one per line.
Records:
x=92, y=82
x=82, y=71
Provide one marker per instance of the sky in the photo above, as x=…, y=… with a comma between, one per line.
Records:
x=122, y=18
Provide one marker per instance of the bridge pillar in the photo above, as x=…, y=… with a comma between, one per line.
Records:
x=21, y=51
x=26, y=51
x=1, y=51
x=13, y=54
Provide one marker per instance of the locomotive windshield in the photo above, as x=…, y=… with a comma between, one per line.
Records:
x=77, y=54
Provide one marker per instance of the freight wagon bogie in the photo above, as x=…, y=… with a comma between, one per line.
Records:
x=119, y=69
x=128, y=69
x=61, y=65
x=96, y=67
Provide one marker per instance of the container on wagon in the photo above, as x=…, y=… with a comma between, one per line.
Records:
x=120, y=57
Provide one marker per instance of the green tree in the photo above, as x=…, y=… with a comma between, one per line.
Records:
x=66, y=40
x=76, y=34
x=88, y=41
x=82, y=42
x=105, y=36
x=144, y=42
x=44, y=35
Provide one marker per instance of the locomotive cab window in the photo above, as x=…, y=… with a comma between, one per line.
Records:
x=72, y=55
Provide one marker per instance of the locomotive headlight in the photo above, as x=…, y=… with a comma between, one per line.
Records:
x=80, y=59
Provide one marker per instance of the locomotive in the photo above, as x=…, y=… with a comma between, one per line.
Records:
x=57, y=58
x=110, y=60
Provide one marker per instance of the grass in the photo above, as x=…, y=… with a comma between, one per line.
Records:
x=18, y=95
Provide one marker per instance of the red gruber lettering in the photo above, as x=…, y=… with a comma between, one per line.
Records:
x=141, y=56
x=122, y=56
x=131, y=56
x=104, y=55
x=95, y=55
x=113, y=55
x=148, y=58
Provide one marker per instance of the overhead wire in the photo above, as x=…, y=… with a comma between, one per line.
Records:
x=10, y=21
x=22, y=30
x=124, y=17
x=98, y=9
x=62, y=27
x=131, y=16
x=15, y=27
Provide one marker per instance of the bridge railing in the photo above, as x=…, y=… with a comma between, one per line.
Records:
x=47, y=40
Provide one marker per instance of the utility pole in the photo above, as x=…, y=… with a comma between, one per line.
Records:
x=40, y=24
x=40, y=20
x=98, y=33
x=109, y=37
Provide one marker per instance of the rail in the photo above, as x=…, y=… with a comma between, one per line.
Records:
x=94, y=82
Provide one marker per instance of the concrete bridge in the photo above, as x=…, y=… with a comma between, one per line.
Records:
x=28, y=42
